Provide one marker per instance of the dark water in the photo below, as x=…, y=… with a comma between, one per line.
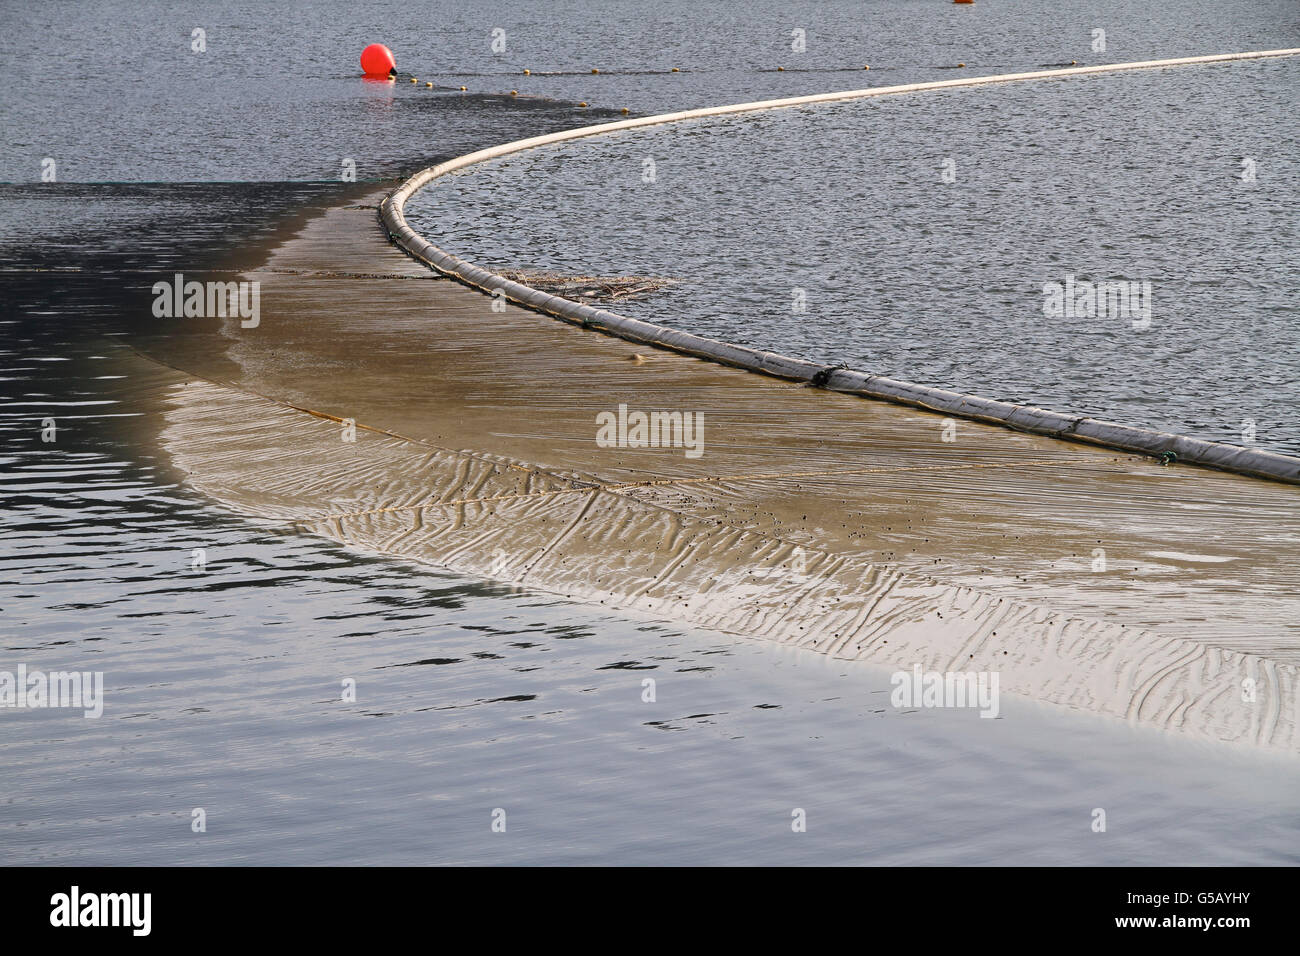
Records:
x=222, y=686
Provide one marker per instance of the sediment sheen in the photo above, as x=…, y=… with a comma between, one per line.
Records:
x=600, y=544
x=862, y=530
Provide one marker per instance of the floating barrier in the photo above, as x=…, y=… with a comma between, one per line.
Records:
x=1161, y=445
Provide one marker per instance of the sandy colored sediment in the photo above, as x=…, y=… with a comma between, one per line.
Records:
x=975, y=554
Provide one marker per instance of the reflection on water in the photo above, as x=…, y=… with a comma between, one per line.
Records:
x=225, y=644
x=225, y=691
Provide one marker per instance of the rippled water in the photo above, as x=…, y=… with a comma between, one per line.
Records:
x=223, y=693
x=114, y=90
x=223, y=684
x=830, y=233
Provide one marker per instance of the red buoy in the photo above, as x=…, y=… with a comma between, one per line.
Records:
x=377, y=60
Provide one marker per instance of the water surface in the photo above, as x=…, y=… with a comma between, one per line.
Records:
x=912, y=236
x=223, y=685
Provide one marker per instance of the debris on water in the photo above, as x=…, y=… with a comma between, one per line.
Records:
x=597, y=288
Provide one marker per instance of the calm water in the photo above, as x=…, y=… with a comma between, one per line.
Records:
x=223, y=685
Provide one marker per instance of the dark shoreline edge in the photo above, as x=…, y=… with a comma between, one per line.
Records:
x=1170, y=448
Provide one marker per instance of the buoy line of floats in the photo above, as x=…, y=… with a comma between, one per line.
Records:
x=1165, y=447
x=379, y=64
